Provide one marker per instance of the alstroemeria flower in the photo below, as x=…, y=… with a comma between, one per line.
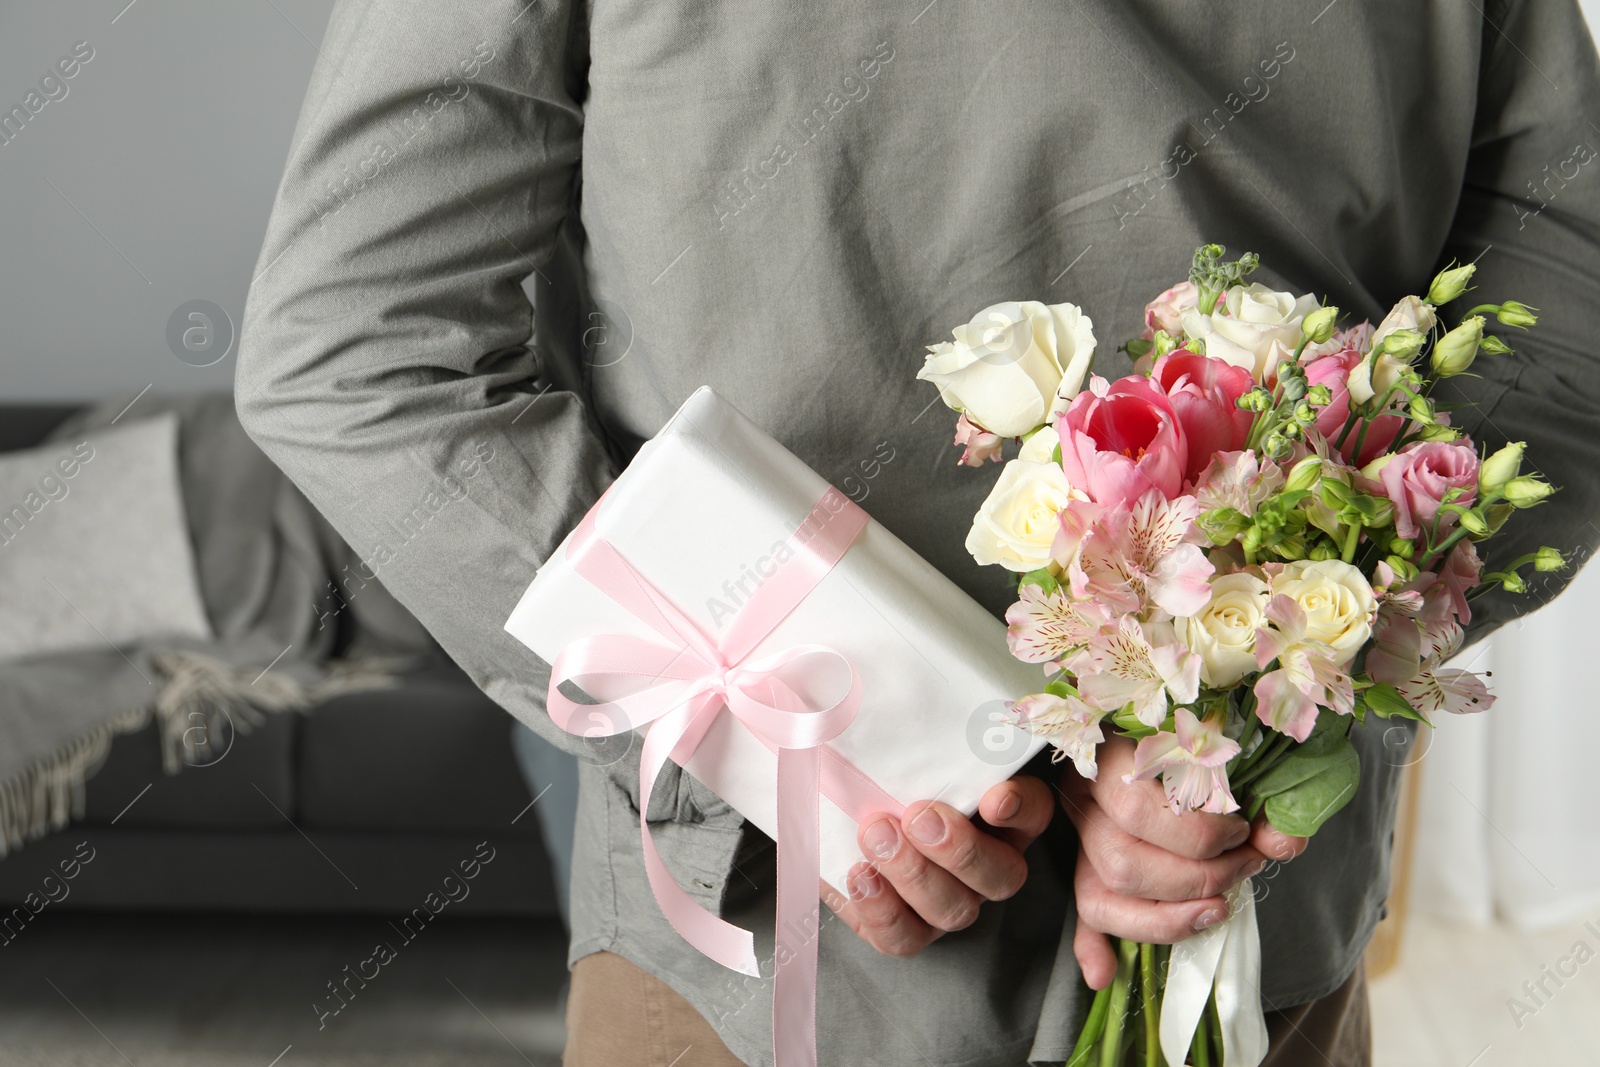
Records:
x=1192, y=764
x=1069, y=724
x=1139, y=555
x=1124, y=667
x=1447, y=689
x=977, y=444
x=1203, y=392
x=1047, y=627
x=1237, y=480
x=1121, y=439
x=1459, y=574
x=1307, y=676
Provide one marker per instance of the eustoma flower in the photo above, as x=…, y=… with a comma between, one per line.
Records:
x=1119, y=440
x=1333, y=371
x=1417, y=479
x=1192, y=763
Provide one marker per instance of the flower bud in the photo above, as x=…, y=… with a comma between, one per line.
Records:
x=1319, y=325
x=1549, y=559
x=1497, y=515
x=1403, y=344
x=1303, y=475
x=1277, y=446
x=1304, y=413
x=1473, y=521
x=1294, y=388
x=1493, y=346
x=1319, y=396
x=1512, y=582
x=1512, y=313
x=1439, y=432
x=1403, y=548
x=1526, y=490
x=1322, y=550
x=1422, y=410
x=1501, y=467
x=1404, y=569
x=1449, y=284
x=1457, y=349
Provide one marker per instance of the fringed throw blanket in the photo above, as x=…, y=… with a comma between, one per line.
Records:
x=288, y=633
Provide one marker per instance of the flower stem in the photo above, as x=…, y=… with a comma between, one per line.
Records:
x=1093, y=1027
x=1117, y=1010
x=1200, y=1049
x=1150, y=1003
x=1351, y=540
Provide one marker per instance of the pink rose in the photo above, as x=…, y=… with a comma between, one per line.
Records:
x=1203, y=392
x=1334, y=372
x=1165, y=312
x=1121, y=440
x=977, y=443
x=1417, y=478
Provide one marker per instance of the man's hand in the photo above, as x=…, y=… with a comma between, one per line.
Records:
x=932, y=870
x=1147, y=874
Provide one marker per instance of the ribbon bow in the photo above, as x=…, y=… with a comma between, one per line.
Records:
x=680, y=685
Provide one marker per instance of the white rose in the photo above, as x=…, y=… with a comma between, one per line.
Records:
x=1017, y=524
x=1013, y=364
x=1223, y=633
x=1337, y=600
x=1412, y=313
x=1260, y=328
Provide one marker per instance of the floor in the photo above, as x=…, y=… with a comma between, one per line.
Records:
x=102, y=991
x=110, y=991
x=1457, y=998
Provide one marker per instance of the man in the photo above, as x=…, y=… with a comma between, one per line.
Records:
x=788, y=202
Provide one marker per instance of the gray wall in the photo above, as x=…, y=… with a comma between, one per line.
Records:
x=163, y=156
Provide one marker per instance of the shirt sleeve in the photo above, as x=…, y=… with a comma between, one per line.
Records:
x=1529, y=215
x=385, y=360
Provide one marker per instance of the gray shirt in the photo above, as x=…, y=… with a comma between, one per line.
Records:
x=788, y=202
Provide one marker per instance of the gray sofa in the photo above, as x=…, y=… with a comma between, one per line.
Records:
x=363, y=804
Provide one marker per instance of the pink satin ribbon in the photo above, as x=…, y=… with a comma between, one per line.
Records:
x=679, y=687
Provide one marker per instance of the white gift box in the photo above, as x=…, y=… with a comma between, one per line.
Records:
x=699, y=509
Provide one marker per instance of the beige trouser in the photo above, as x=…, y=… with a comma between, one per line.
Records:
x=620, y=1016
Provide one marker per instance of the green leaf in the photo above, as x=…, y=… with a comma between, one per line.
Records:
x=1386, y=703
x=1041, y=578
x=1311, y=783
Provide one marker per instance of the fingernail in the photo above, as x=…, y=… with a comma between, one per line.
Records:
x=863, y=882
x=1282, y=847
x=1210, y=918
x=882, y=839
x=1241, y=834
x=928, y=827
x=1008, y=806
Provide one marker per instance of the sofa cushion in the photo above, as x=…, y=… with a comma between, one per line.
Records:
x=434, y=754
x=250, y=786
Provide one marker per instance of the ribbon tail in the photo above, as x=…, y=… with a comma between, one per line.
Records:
x=1238, y=985
x=794, y=986
x=1190, y=974
x=727, y=944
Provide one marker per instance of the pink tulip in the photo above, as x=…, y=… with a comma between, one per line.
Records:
x=1334, y=372
x=1204, y=394
x=1121, y=440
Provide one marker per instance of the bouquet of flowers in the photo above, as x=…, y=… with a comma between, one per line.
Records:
x=1259, y=537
